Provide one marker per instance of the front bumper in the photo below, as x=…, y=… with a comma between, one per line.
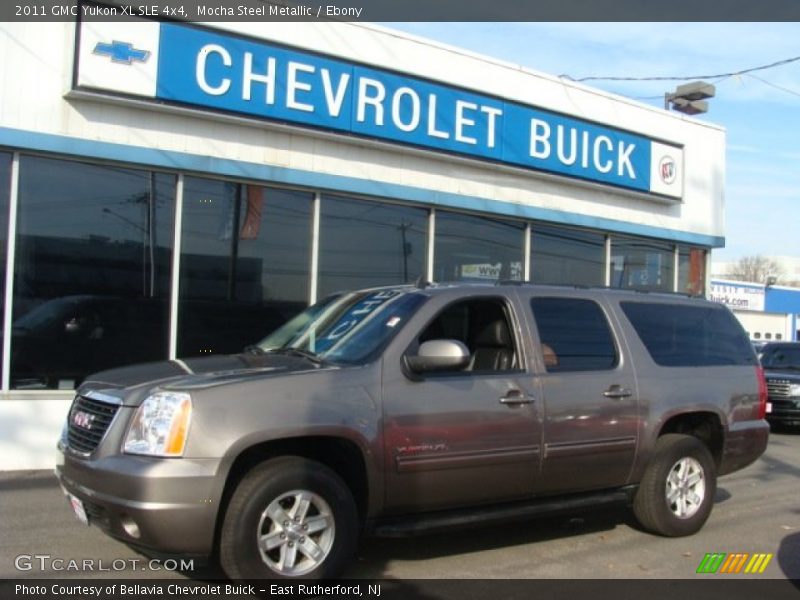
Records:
x=165, y=506
x=784, y=412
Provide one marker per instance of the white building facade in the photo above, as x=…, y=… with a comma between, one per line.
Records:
x=173, y=190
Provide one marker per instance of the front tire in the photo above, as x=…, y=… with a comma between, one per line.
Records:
x=288, y=518
x=676, y=494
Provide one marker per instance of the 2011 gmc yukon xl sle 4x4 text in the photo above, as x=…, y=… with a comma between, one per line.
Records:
x=406, y=409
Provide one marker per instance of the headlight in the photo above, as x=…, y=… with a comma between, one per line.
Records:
x=160, y=425
x=794, y=389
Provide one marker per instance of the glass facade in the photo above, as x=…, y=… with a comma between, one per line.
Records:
x=692, y=271
x=365, y=244
x=471, y=248
x=92, y=270
x=642, y=264
x=245, y=263
x=94, y=256
x=567, y=256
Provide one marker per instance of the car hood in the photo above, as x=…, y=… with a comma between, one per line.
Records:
x=194, y=373
x=785, y=374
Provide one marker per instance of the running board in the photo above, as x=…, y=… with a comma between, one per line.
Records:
x=434, y=522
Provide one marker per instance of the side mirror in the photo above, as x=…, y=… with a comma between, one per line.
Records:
x=439, y=355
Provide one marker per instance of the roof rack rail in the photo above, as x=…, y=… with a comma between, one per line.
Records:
x=511, y=282
x=421, y=283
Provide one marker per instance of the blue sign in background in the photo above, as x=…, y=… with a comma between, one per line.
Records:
x=231, y=74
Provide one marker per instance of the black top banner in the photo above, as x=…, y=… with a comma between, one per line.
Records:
x=395, y=589
x=671, y=11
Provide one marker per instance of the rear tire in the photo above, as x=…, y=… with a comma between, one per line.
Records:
x=288, y=518
x=676, y=494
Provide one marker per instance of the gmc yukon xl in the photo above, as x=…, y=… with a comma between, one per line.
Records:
x=401, y=410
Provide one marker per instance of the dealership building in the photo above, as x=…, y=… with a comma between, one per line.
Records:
x=768, y=312
x=171, y=190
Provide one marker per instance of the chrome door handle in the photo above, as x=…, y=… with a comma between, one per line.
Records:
x=514, y=397
x=617, y=391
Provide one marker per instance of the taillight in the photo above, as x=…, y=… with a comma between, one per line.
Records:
x=762, y=393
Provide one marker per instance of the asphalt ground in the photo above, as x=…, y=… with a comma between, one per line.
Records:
x=757, y=511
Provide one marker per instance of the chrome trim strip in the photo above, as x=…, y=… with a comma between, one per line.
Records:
x=463, y=460
x=101, y=397
x=565, y=449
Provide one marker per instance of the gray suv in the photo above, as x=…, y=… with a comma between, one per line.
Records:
x=401, y=410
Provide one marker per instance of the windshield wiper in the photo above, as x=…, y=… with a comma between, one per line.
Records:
x=290, y=351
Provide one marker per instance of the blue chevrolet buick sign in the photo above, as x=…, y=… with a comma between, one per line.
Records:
x=199, y=68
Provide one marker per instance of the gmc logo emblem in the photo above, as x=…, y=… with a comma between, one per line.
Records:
x=82, y=419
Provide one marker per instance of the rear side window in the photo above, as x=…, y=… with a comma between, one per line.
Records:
x=574, y=334
x=679, y=335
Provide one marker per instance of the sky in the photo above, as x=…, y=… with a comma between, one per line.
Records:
x=760, y=111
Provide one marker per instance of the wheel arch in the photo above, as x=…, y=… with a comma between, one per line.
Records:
x=704, y=425
x=341, y=455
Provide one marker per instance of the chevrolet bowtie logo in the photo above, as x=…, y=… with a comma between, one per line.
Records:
x=121, y=52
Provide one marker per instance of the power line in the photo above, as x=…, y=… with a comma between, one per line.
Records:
x=778, y=63
x=775, y=85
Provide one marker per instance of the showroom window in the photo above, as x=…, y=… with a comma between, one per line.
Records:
x=566, y=256
x=692, y=271
x=365, y=244
x=92, y=270
x=642, y=264
x=471, y=248
x=245, y=261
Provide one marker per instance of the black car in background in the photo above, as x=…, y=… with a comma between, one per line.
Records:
x=56, y=343
x=781, y=363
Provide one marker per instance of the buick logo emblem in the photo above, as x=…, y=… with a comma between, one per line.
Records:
x=668, y=169
x=82, y=419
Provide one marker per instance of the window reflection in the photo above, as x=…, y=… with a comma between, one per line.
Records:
x=642, y=264
x=92, y=270
x=472, y=248
x=692, y=271
x=367, y=244
x=237, y=287
x=566, y=256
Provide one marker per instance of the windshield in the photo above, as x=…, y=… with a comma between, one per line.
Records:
x=781, y=357
x=348, y=328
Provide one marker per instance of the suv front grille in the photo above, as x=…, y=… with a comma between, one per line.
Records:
x=778, y=388
x=88, y=422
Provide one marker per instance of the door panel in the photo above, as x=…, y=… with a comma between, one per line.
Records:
x=590, y=439
x=450, y=441
x=589, y=395
x=470, y=437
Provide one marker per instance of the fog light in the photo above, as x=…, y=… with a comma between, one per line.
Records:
x=130, y=527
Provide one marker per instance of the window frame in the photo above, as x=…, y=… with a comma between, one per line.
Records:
x=512, y=321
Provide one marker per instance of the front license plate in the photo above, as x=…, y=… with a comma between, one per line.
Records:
x=80, y=512
x=769, y=407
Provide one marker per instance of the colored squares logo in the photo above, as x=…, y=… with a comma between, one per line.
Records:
x=734, y=563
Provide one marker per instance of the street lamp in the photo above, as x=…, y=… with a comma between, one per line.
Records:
x=690, y=98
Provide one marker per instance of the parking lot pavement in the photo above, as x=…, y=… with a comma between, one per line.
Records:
x=757, y=511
